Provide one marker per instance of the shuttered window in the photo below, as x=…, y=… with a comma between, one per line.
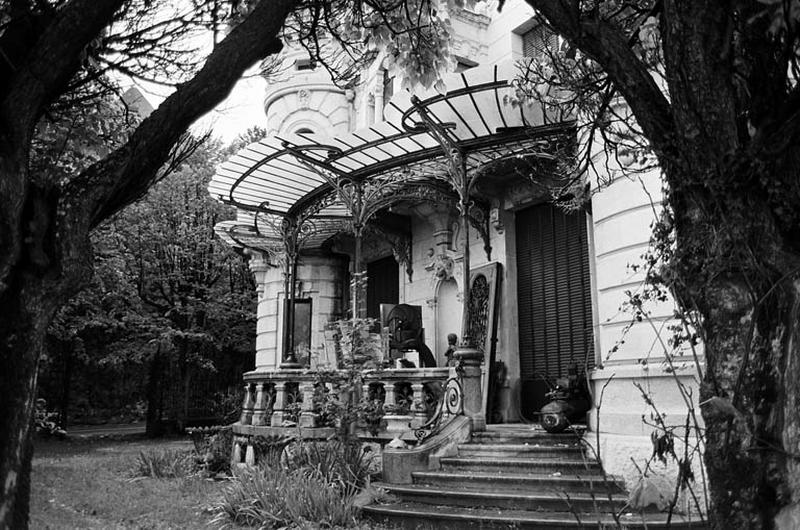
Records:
x=538, y=41
x=383, y=285
x=554, y=295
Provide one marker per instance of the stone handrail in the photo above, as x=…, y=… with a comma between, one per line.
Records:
x=409, y=396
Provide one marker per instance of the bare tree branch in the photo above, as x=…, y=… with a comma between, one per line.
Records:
x=608, y=46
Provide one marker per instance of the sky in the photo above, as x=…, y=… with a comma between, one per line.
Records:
x=241, y=110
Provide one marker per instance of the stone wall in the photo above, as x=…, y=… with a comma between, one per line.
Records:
x=633, y=354
x=322, y=279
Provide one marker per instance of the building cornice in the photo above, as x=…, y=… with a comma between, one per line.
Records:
x=472, y=18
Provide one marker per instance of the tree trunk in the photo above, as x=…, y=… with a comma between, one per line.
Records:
x=66, y=384
x=736, y=267
x=752, y=364
x=154, y=401
x=27, y=310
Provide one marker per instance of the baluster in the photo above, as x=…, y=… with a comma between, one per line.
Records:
x=260, y=406
x=418, y=404
x=236, y=456
x=250, y=454
x=390, y=401
x=279, y=407
x=308, y=418
x=247, y=406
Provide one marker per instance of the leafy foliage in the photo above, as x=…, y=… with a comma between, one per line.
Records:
x=345, y=36
x=164, y=282
x=46, y=422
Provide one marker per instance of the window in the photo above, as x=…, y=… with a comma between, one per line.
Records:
x=538, y=41
x=304, y=64
x=304, y=130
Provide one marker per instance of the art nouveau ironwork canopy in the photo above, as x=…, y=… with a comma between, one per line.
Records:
x=295, y=191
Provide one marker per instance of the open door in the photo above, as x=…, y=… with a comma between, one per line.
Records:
x=484, y=283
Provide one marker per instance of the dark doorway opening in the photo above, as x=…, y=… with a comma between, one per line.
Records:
x=383, y=285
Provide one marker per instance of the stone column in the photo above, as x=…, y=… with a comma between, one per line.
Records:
x=269, y=283
x=471, y=359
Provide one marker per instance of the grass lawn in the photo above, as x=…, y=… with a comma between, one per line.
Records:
x=80, y=484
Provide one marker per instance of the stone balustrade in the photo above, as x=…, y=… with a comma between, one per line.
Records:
x=287, y=398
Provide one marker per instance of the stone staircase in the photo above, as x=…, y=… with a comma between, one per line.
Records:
x=515, y=476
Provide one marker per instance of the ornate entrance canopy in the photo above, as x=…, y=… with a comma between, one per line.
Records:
x=308, y=175
x=297, y=190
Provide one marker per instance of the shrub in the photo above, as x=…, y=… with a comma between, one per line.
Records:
x=347, y=465
x=46, y=422
x=163, y=463
x=276, y=497
x=227, y=404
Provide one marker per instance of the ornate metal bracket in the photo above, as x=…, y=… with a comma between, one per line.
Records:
x=451, y=404
x=479, y=219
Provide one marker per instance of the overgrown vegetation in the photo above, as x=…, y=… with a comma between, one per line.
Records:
x=163, y=463
x=314, y=483
x=277, y=498
x=302, y=482
x=212, y=446
x=45, y=421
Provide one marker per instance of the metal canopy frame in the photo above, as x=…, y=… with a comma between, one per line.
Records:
x=301, y=189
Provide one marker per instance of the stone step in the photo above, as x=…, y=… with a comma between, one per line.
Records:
x=565, y=466
x=535, y=502
x=531, y=436
x=505, y=482
x=420, y=516
x=530, y=450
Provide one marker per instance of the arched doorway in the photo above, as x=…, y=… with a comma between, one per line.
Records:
x=448, y=316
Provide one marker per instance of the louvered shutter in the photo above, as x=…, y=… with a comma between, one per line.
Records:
x=538, y=41
x=554, y=297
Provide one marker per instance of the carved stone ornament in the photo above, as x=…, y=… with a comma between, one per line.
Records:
x=303, y=97
x=443, y=267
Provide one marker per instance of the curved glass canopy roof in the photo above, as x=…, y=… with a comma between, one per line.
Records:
x=311, y=179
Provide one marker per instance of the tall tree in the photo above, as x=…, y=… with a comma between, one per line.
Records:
x=711, y=95
x=198, y=293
